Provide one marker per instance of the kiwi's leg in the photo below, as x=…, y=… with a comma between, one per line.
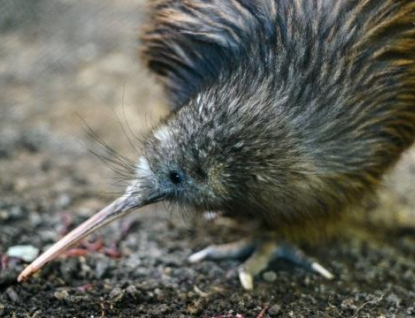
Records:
x=258, y=254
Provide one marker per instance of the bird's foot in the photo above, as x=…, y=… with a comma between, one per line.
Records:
x=258, y=254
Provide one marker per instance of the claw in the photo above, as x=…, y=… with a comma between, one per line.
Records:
x=236, y=250
x=246, y=279
x=198, y=256
x=257, y=254
x=321, y=270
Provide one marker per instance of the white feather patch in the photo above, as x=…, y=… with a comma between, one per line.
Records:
x=162, y=134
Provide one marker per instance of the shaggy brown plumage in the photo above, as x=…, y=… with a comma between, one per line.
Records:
x=298, y=107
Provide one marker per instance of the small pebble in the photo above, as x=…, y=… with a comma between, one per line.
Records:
x=116, y=294
x=80, y=299
x=348, y=304
x=86, y=270
x=36, y=314
x=63, y=201
x=47, y=235
x=61, y=294
x=394, y=299
x=16, y=213
x=33, y=140
x=159, y=294
x=25, y=252
x=35, y=219
x=4, y=215
x=274, y=310
x=6, y=151
x=101, y=268
x=270, y=276
x=11, y=293
x=307, y=281
x=11, y=213
x=132, y=290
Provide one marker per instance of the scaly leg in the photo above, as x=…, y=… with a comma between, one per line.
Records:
x=258, y=254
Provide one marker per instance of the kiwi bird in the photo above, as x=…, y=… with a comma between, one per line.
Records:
x=283, y=113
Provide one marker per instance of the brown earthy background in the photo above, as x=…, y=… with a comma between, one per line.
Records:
x=68, y=64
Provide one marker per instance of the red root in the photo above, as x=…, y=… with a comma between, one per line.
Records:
x=263, y=312
x=112, y=252
x=94, y=246
x=4, y=261
x=85, y=287
x=75, y=252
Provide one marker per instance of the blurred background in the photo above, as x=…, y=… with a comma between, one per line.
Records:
x=66, y=65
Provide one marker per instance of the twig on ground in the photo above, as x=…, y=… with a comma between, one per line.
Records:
x=373, y=301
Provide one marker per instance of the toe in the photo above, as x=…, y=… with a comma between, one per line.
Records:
x=246, y=279
x=316, y=267
x=237, y=250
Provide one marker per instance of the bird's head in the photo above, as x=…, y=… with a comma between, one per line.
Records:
x=184, y=163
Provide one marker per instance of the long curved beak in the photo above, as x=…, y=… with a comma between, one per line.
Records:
x=115, y=210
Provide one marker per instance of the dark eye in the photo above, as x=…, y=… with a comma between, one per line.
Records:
x=175, y=177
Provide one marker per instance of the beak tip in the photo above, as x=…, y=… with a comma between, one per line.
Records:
x=26, y=273
x=23, y=276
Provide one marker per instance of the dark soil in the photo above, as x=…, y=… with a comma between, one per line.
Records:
x=64, y=64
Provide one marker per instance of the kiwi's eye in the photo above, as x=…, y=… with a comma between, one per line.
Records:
x=175, y=177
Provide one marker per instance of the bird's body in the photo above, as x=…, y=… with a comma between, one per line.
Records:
x=297, y=107
x=284, y=111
